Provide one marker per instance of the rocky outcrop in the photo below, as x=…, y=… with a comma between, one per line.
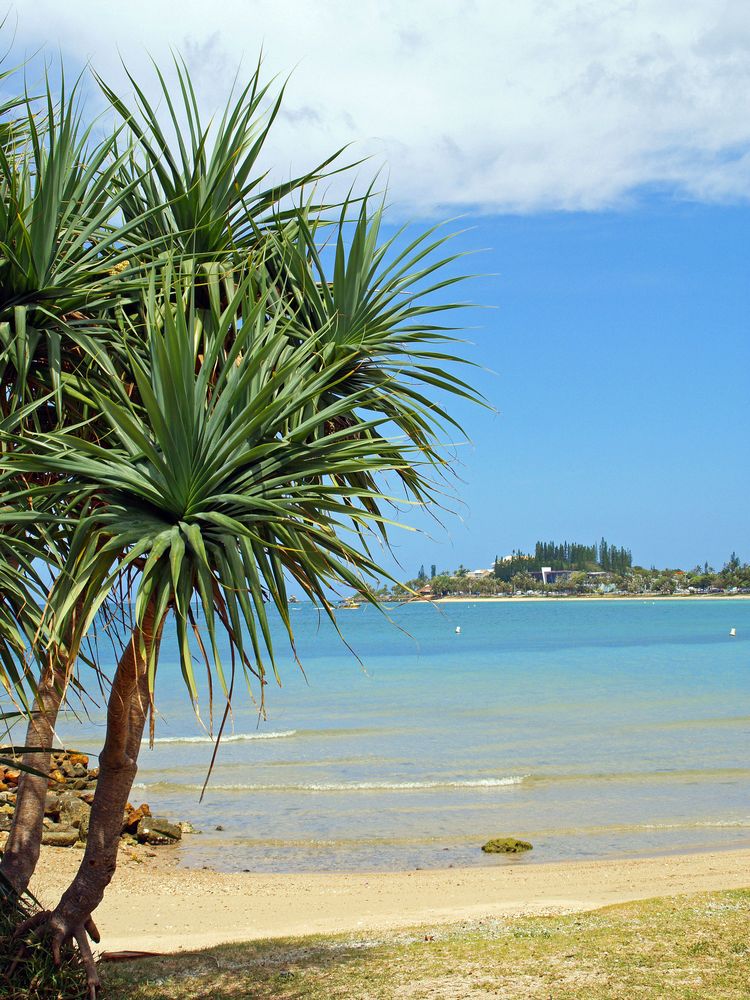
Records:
x=67, y=807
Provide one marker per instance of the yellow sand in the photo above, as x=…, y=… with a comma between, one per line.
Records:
x=154, y=905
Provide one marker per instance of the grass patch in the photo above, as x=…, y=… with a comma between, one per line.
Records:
x=684, y=948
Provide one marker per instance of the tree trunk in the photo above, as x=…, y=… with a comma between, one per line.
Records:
x=24, y=842
x=126, y=716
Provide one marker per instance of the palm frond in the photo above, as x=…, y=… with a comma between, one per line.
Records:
x=201, y=183
x=198, y=401
x=222, y=480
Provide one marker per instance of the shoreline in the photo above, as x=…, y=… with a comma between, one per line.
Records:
x=646, y=598
x=153, y=904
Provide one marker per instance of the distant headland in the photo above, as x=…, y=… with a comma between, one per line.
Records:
x=572, y=569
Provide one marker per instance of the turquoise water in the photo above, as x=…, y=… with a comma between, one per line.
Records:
x=593, y=729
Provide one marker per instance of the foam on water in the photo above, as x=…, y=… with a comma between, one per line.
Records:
x=233, y=738
x=345, y=786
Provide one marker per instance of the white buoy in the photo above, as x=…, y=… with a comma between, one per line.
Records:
x=458, y=630
x=733, y=632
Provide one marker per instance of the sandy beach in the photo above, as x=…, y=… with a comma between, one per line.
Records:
x=155, y=905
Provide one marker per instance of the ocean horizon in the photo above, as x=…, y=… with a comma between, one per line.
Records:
x=594, y=729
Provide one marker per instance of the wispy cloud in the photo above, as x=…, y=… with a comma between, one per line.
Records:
x=539, y=105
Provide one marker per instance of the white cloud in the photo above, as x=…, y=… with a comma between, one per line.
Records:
x=497, y=106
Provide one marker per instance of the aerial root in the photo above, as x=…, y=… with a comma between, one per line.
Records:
x=60, y=931
x=80, y=931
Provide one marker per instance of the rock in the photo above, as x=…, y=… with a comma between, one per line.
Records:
x=59, y=838
x=506, y=845
x=133, y=818
x=67, y=806
x=153, y=830
x=72, y=810
x=52, y=804
x=78, y=784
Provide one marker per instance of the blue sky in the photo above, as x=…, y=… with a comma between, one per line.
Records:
x=618, y=345
x=600, y=156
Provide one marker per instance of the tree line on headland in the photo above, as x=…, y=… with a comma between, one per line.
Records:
x=566, y=556
x=577, y=570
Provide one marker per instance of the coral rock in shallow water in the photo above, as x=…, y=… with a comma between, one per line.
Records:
x=506, y=845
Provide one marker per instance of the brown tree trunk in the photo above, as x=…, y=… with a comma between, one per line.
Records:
x=126, y=716
x=24, y=842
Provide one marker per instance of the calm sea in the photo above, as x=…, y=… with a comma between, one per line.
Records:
x=593, y=729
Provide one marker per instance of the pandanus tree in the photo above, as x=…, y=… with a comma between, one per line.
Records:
x=210, y=387
x=81, y=223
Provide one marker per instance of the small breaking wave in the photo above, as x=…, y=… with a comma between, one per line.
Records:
x=349, y=786
x=234, y=738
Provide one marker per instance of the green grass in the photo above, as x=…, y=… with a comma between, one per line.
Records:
x=683, y=948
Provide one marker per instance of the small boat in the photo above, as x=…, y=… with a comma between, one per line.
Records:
x=458, y=630
x=733, y=632
x=350, y=605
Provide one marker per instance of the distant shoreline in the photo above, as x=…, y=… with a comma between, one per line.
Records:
x=508, y=598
